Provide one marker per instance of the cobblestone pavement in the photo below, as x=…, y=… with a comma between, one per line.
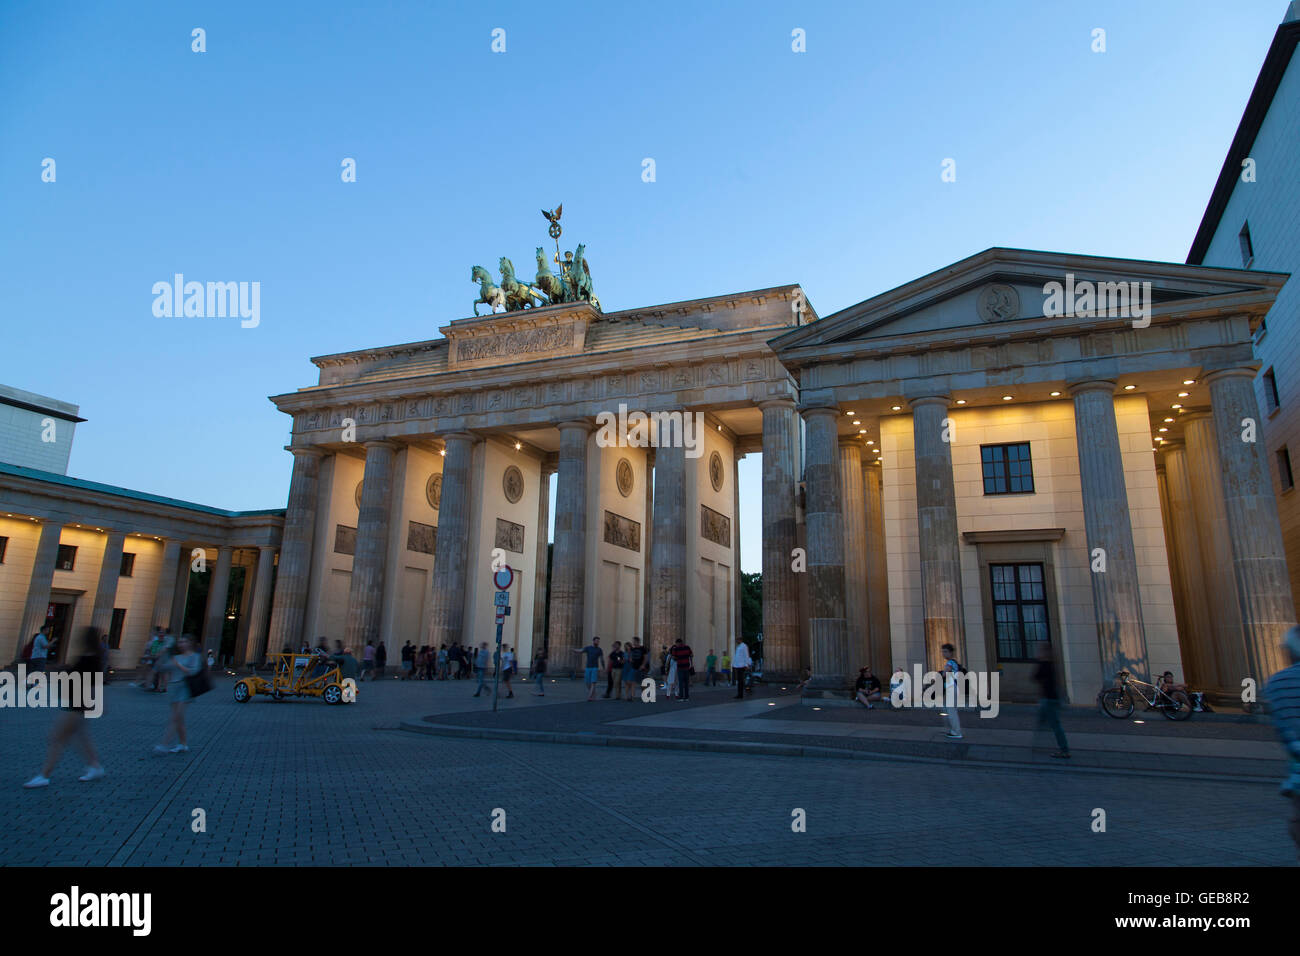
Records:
x=301, y=783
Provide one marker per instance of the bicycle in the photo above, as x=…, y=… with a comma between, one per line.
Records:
x=1118, y=701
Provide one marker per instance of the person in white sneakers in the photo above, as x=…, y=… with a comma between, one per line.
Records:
x=951, y=672
x=185, y=663
x=72, y=722
x=740, y=665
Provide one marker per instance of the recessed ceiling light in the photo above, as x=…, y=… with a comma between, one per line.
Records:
x=1056, y=395
x=1162, y=428
x=1169, y=419
x=898, y=408
x=862, y=431
x=1175, y=406
x=871, y=441
x=850, y=413
x=1189, y=381
x=961, y=401
x=1183, y=394
x=856, y=422
x=1129, y=388
x=442, y=452
x=1006, y=398
x=518, y=446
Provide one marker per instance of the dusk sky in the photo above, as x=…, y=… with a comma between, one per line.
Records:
x=772, y=167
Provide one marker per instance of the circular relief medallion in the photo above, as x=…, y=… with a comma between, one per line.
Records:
x=512, y=483
x=358, y=494
x=715, y=471
x=623, y=477
x=433, y=491
x=998, y=302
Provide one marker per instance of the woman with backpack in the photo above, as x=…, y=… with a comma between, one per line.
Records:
x=185, y=665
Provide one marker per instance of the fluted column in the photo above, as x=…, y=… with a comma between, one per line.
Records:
x=110, y=570
x=218, y=590
x=1205, y=478
x=289, y=605
x=668, y=582
x=539, y=576
x=936, y=520
x=1263, y=582
x=737, y=583
x=824, y=519
x=877, y=571
x=1196, y=629
x=165, y=591
x=255, y=650
x=780, y=589
x=1116, y=598
x=370, y=561
x=855, y=552
x=39, y=584
x=647, y=547
x=447, y=621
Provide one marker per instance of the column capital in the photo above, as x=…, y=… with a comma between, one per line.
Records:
x=470, y=437
x=586, y=425
x=305, y=451
x=263, y=548
x=851, y=441
x=818, y=409
x=380, y=443
x=783, y=402
x=1090, y=385
x=1195, y=415
x=918, y=401
x=1237, y=371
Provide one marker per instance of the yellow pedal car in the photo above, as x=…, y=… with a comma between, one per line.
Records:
x=299, y=675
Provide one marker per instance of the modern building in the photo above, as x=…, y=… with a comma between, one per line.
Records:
x=1252, y=221
x=77, y=554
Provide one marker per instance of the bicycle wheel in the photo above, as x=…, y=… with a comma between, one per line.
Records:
x=1181, y=708
x=1117, y=702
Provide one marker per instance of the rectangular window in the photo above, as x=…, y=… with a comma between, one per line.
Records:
x=1270, y=391
x=128, y=564
x=1019, y=610
x=115, y=629
x=1008, y=469
x=1247, y=248
x=4, y=545
x=1284, y=469
x=67, y=559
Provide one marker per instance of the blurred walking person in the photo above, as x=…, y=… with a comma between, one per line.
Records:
x=71, y=725
x=187, y=662
x=1283, y=695
x=1049, y=700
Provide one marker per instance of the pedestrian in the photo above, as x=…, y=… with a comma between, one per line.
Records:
x=685, y=661
x=185, y=663
x=104, y=655
x=631, y=668
x=481, y=665
x=740, y=664
x=71, y=725
x=346, y=663
x=710, y=668
x=408, y=661
x=539, y=672
x=507, y=668
x=950, y=671
x=593, y=657
x=381, y=658
x=614, y=671
x=465, y=663
x=897, y=682
x=368, y=660
x=866, y=688
x=670, y=679
x=442, y=662
x=1049, y=699
x=725, y=669
x=1283, y=695
x=40, y=652
x=212, y=659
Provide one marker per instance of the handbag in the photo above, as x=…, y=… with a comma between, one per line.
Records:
x=200, y=682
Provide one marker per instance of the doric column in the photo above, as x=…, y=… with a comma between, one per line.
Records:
x=370, y=561
x=877, y=571
x=447, y=622
x=569, y=568
x=855, y=552
x=780, y=589
x=668, y=563
x=1116, y=598
x=936, y=521
x=539, y=575
x=181, y=591
x=736, y=580
x=255, y=650
x=647, y=547
x=38, y=587
x=1205, y=479
x=165, y=591
x=1195, y=624
x=1258, y=555
x=289, y=605
x=214, y=619
x=110, y=569
x=824, y=519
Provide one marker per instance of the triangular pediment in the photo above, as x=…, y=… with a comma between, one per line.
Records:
x=1001, y=290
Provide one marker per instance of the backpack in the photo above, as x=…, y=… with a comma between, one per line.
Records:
x=27, y=651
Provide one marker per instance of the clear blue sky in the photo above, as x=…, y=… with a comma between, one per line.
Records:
x=821, y=168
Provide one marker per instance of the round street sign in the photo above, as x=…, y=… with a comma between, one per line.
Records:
x=503, y=578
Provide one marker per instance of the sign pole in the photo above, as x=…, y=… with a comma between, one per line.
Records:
x=502, y=578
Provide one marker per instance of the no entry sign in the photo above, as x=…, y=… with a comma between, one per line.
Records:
x=503, y=579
